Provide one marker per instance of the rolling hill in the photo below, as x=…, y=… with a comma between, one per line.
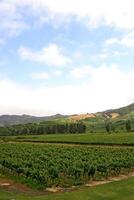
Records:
x=96, y=122
x=6, y=120
x=114, y=115
x=124, y=112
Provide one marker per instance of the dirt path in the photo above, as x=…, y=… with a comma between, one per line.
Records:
x=11, y=186
x=73, y=144
x=90, y=145
x=111, y=179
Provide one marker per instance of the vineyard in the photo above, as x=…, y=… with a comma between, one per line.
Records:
x=47, y=165
x=88, y=138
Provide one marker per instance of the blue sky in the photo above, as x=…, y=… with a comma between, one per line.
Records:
x=65, y=57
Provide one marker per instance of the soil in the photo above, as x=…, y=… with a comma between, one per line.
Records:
x=111, y=179
x=82, y=116
x=74, y=144
x=12, y=186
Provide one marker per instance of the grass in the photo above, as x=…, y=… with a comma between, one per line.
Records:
x=88, y=138
x=123, y=190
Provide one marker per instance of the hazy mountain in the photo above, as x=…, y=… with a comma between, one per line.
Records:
x=21, y=119
x=120, y=113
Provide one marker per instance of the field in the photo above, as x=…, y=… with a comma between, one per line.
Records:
x=44, y=166
x=32, y=161
x=96, y=138
x=123, y=190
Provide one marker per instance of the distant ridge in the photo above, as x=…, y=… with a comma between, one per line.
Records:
x=108, y=114
x=126, y=111
x=123, y=110
x=22, y=119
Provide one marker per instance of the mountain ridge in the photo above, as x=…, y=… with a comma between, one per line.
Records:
x=22, y=119
x=6, y=119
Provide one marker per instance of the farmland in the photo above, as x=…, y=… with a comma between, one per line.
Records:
x=31, y=161
x=48, y=165
x=113, y=191
x=97, y=138
x=39, y=162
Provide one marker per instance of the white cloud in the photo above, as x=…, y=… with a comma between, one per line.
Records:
x=114, y=13
x=120, y=53
x=40, y=76
x=11, y=20
x=46, y=75
x=81, y=72
x=51, y=55
x=103, y=55
x=108, y=87
x=127, y=40
x=56, y=73
x=92, y=72
x=2, y=41
x=112, y=41
x=108, y=53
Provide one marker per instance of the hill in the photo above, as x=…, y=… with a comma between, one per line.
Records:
x=114, y=115
x=96, y=122
x=127, y=111
x=123, y=110
x=6, y=120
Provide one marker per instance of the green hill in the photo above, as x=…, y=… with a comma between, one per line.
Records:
x=115, y=117
x=95, y=122
x=6, y=120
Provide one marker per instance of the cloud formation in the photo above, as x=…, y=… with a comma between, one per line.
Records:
x=40, y=75
x=127, y=40
x=114, y=13
x=106, y=87
x=11, y=20
x=50, y=55
x=79, y=36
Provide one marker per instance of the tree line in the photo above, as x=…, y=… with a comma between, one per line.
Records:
x=44, y=128
x=53, y=127
x=111, y=127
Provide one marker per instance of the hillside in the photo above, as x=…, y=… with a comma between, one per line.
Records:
x=127, y=111
x=96, y=122
x=99, y=117
x=23, y=119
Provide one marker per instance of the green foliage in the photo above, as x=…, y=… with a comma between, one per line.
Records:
x=88, y=138
x=108, y=126
x=49, y=165
x=50, y=127
x=128, y=125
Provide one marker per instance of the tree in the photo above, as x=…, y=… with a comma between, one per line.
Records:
x=128, y=125
x=113, y=128
x=108, y=126
x=81, y=127
x=73, y=128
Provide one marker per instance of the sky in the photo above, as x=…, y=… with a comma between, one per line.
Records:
x=67, y=57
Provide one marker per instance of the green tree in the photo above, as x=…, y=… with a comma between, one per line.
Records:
x=108, y=126
x=128, y=125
